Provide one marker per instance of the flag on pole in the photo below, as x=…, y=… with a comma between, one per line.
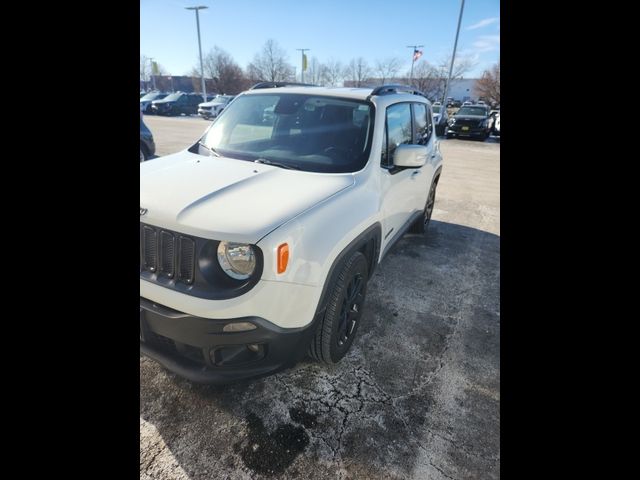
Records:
x=417, y=54
x=304, y=62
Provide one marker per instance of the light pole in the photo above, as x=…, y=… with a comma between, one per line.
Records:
x=197, y=9
x=413, y=59
x=304, y=64
x=453, y=58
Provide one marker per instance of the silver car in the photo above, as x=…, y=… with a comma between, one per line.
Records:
x=213, y=108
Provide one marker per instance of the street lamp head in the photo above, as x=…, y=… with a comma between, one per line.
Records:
x=199, y=7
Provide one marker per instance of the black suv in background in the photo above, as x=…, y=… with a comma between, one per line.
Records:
x=177, y=104
x=470, y=121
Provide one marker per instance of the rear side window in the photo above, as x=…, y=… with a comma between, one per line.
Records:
x=399, y=130
x=422, y=121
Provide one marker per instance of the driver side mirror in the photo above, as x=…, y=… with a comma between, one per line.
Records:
x=410, y=156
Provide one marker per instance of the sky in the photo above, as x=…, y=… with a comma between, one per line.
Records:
x=331, y=29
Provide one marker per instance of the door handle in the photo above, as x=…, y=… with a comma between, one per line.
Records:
x=415, y=172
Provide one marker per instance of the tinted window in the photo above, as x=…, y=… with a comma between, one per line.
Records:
x=312, y=133
x=479, y=111
x=153, y=96
x=398, y=129
x=422, y=121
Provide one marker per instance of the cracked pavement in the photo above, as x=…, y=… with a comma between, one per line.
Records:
x=418, y=395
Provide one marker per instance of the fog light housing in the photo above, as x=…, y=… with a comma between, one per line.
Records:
x=234, y=355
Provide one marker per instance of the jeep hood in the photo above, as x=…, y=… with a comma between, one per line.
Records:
x=228, y=199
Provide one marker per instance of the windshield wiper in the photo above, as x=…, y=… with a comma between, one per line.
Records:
x=276, y=164
x=211, y=150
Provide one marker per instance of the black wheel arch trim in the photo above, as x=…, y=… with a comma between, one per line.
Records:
x=370, y=238
x=437, y=173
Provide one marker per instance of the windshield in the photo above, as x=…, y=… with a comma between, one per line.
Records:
x=436, y=109
x=478, y=111
x=173, y=97
x=154, y=96
x=306, y=132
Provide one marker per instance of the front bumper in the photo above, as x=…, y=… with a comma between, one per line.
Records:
x=197, y=348
x=206, y=113
x=163, y=110
x=460, y=131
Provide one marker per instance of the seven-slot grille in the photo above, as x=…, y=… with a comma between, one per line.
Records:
x=167, y=253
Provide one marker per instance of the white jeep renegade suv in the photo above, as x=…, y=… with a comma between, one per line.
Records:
x=256, y=244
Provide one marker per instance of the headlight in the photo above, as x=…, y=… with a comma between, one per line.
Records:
x=452, y=121
x=238, y=260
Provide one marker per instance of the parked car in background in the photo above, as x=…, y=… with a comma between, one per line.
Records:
x=440, y=119
x=492, y=116
x=178, y=103
x=147, y=145
x=213, y=108
x=146, y=100
x=470, y=121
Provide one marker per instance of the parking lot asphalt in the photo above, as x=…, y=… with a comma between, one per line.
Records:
x=418, y=395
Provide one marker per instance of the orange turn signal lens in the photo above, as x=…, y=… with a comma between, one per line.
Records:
x=283, y=257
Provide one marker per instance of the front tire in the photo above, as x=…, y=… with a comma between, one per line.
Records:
x=143, y=156
x=338, y=327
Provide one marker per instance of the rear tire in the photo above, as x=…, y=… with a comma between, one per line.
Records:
x=345, y=303
x=422, y=223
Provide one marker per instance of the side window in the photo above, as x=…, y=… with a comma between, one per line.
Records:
x=422, y=121
x=399, y=130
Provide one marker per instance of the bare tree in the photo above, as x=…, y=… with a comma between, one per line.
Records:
x=388, y=68
x=315, y=71
x=227, y=76
x=332, y=73
x=145, y=68
x=270, y=64
x=358, y=71
x=196, y=82
x=429, y=80
x=461, y=67
x=488, y=85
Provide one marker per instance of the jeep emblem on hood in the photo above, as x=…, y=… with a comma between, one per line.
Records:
x=142, y=211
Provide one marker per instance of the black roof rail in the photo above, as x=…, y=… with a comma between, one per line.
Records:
x=280, y=84
x=395, y=88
